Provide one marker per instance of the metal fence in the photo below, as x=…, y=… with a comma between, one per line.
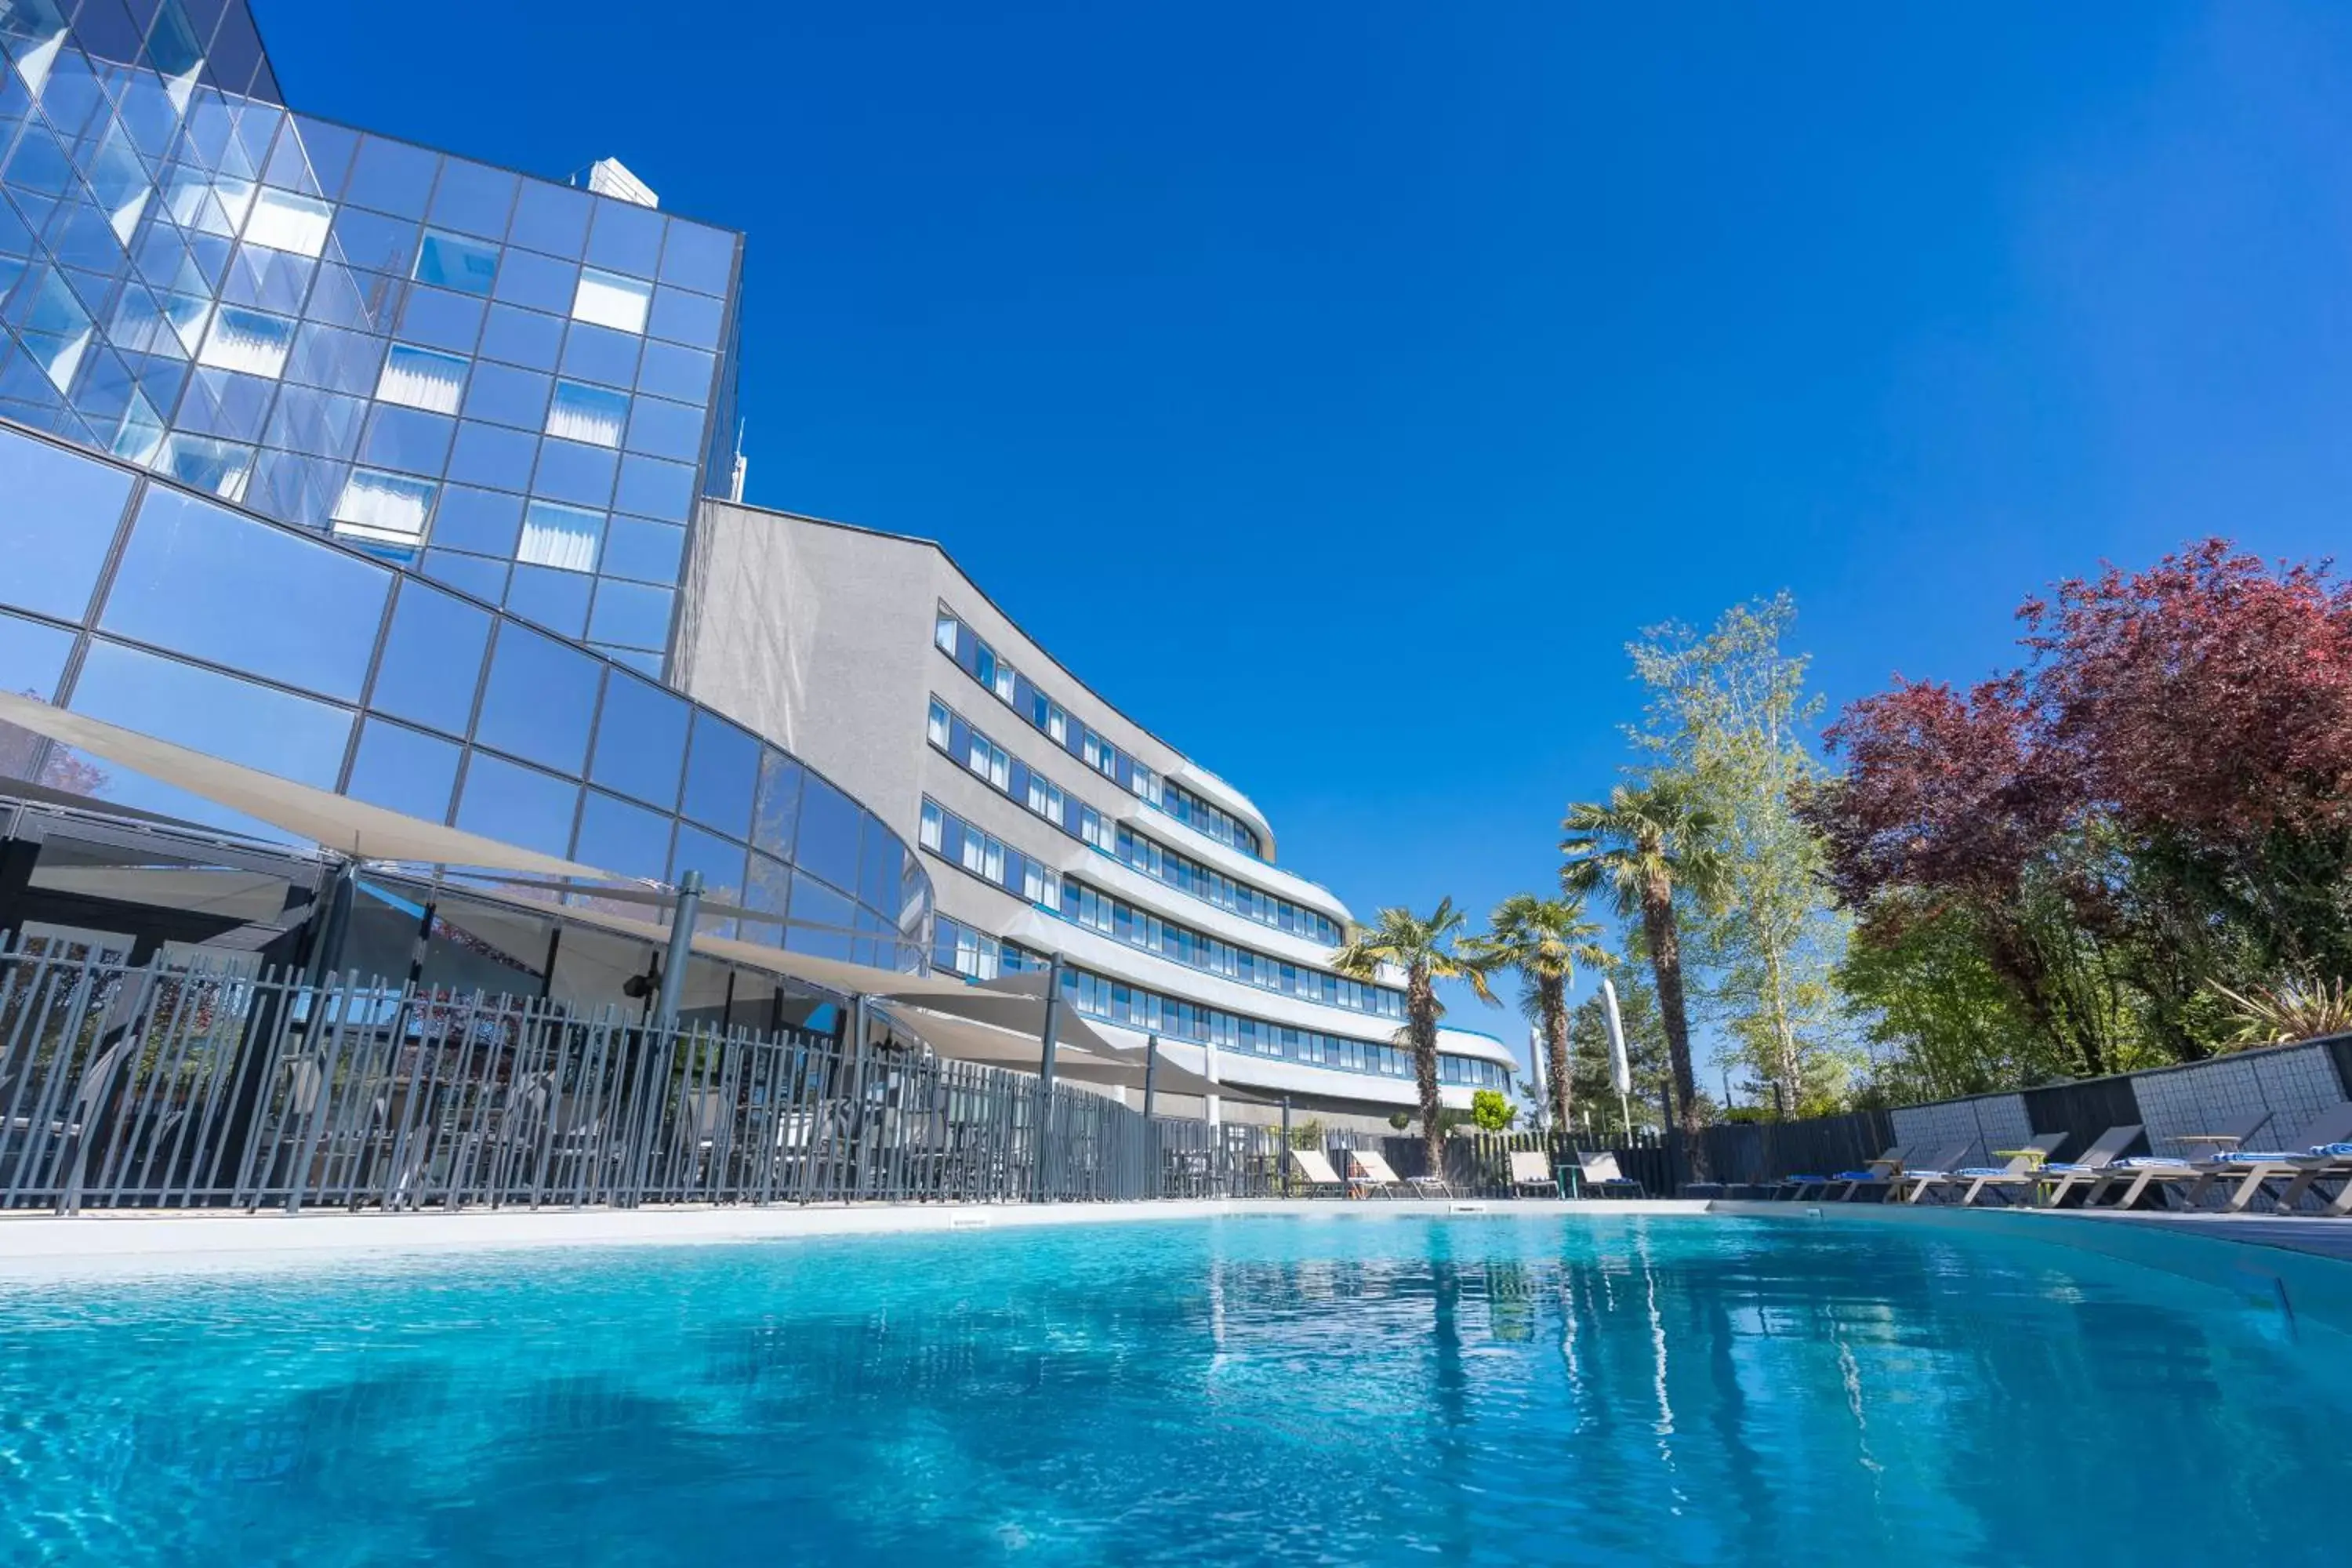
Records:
x=168, y=1087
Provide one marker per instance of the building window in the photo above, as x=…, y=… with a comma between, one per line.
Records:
x=930, y=829
x=589, y=414
x=449, y=262
x=606, y=299
x=247, y=341
x=422, y=379
x=944, y=634
x=560, y=536
x=284, y=221
x=383, y=508
x=939, y=725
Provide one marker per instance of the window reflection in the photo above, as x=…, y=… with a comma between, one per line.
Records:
x=625, y=839
x=293, y=737
x=722, y=769
x=827, y=841
x=516, y=805
x=719, y=861
x=539, y=700
x=56, y=526
x=188, y=562
x=404, y=770
x=823, y=921
x=778, y=805
x=640, y=741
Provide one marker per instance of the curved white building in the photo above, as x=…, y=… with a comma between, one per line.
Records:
x=1052, y=822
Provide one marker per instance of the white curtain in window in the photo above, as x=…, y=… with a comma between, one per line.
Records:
x=587, y=413
x=247, y=341
x=284, y=221
x=605, y=300
x=560, y=536
x=384, y=506
x=422, y=380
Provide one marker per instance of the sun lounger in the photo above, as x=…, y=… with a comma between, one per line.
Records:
x=1598, y=1172
x=2023, y=1169
x=1369, y=1173
x=2305, y=1158
x=1911, y=1182
x=2129, y=1178
x=1879, y=1174
x=1315, y=1167
x=1533, y=1168
x=2091, y=1167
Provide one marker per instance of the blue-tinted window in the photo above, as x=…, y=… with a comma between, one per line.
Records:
x=641, y=741
x=453, y=262
x=335, y=359
x=828, y=837
x=642, y=550
x=401, y=769
x=421, y=378
x=562, y=536
x=292, y=737
x=697, y=257
x=596, y=353
x=665, y=429
x=522, y=337
x=539, y=700
x=686, y=318
x=467, y=573
x=551, y=219
x=553, y=599
x=312, y=157
x=821, y=919
x=190, y=567
x=409, y=439
x=581, y=475
x=442, y=319
x=540, y=283
x=506, y=396
x=486, y=522
x=492, y=455
x=652, y=488
x=391, y=178
x=373, y=242
x=517, y=804
x=633, y=615
x=32, y=657
x=880, y=864
x=432, y=658
x=624, y=840
x=669, y=370
x=720, y=860
x=364, y=302
x=56, y=526
x=626, y=237
x=721, y=773
x=473, y=198
x=321, y=423
x=595, y=415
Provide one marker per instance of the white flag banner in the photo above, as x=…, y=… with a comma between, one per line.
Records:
x=1619, y=1073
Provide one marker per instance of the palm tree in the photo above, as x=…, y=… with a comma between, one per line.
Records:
x=1641, y=846
x=1545, y=940
x=1428, y=949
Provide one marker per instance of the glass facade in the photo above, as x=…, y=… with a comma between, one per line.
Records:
x=976, y=658
x=958, y=948
x=517, y=387
x=133, y=600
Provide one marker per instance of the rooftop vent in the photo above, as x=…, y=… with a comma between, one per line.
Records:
x=611, y=177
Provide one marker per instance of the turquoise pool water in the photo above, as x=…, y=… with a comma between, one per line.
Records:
x=1399, y=1391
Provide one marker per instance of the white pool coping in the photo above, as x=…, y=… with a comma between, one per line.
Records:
x=45, y=1244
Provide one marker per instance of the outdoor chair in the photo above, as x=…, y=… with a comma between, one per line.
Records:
x=1844, y=1187
x=2322, y=1151
x=1533, y=1168
x=2136, y=1175
x=1376, y=1175
x=1598, y=1172
x=1911, y=1182
x=1315, y=1166
x=2023, y=1171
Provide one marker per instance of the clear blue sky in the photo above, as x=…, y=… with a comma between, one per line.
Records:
x=1339, y=386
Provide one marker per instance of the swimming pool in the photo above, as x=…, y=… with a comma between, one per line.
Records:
x=1598, y=1391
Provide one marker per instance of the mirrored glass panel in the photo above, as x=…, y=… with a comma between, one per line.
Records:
x=540, y=699
x=721, y=774
x=276, y=731
x=829, y=832
x=823, y=921
x=193, y=575
x=778, y=807
x=519, y=805
x=641, y=741
x=624, y=840
x=56, y=524
x=432, y=658
x=404, y=770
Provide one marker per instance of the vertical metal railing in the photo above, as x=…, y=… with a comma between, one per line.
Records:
x=172, y=1086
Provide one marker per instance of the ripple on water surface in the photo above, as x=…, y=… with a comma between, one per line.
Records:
x=1595, y=1391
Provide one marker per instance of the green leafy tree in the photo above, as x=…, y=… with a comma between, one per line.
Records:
x=1492, y=1111
x=1646, y=846
x=1729, y=711
x=1545, y=940
x=1428, y=949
